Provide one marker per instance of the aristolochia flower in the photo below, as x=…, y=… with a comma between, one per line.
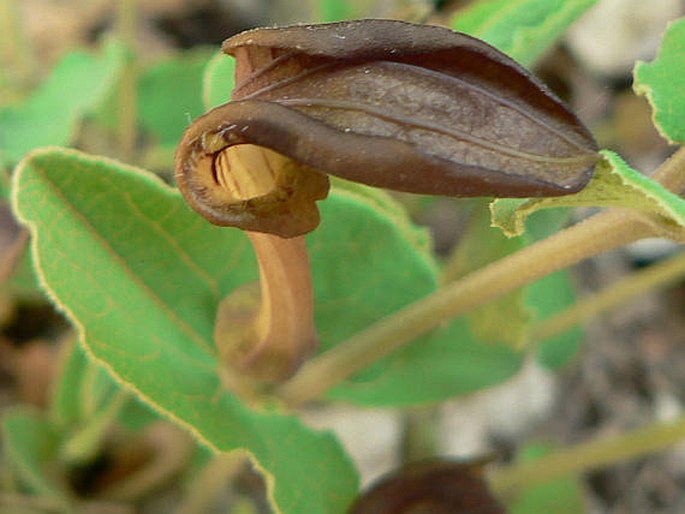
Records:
x=407, y=107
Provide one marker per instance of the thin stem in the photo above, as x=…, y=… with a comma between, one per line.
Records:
x=671, y=174
x=127, y=26
x=171, y=449
x=602, y=232
x=91, y=393
x=210, y=482
x=588, y=456
x=87, y=442
x=655, y=276
x=420, y=438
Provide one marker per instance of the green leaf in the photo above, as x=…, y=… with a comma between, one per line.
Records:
x=450, y=362
x=83, y=389
x=170, y=95
x=365, y=267
x=369, y=261
x=157, y=257
x=505, y=320
x=31, y=445
x=50, y=116
x=615, y=184
x=218, y=80
x=559, y=496
x=552, y=294
x=335, y=10
x=546, y=297
x=662, y=81
x=508, y=320
x=382, y=202
x=523, y=29
x=141, y=275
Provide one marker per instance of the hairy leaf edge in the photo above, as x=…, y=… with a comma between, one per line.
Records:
x=168, y=190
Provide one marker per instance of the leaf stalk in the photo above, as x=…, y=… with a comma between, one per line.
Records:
x=587, y=456
x=600, y=233
x=657, y=275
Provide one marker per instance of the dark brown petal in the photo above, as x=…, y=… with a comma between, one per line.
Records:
x=476, y=122
x=434, y=487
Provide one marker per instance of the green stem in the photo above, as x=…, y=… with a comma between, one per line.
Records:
x=420, y=438
x=639, y=283
x=671, y=174
x=210, y=482
x=127, y=26
x=587, y=456
x=170, y=452
x=91, y=392
x=85, y=444
x=602, y=232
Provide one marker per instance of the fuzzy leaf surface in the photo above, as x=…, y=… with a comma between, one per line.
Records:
x=505, y=320
x=335, y=10
x=447, y=363
x=508, y=320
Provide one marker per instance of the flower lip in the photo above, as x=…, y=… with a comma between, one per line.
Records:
x=287, y=209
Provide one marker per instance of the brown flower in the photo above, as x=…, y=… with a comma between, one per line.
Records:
x=407, y=107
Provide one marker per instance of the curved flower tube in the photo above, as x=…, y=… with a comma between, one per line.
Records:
x=386, y=103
